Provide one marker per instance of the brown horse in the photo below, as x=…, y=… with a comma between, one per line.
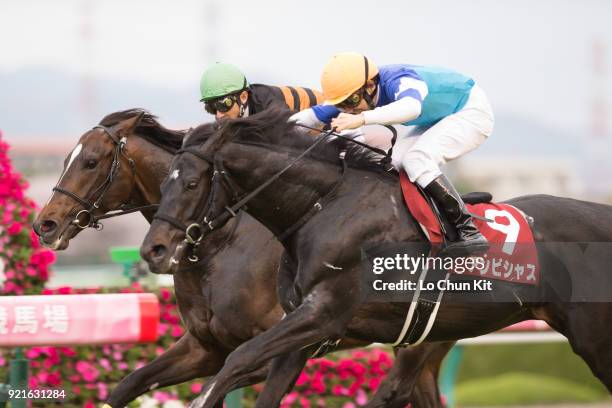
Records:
x=215, y=297
x=337, y=214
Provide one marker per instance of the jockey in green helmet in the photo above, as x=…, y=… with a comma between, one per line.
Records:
x=227, y=94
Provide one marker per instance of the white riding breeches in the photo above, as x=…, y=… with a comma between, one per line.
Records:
x=421, y=151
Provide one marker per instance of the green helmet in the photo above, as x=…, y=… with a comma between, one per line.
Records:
x=221, y=79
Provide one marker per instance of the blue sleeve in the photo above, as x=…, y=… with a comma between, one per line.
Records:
x=325, y=113
x=410, y=93
x=407, y=85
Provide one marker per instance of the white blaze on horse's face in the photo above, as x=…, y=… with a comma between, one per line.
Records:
x=77, y=150
x=175, y=174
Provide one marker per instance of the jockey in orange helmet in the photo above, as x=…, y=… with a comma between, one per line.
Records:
x=444, y=112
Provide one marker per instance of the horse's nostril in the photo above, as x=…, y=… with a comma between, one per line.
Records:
x=158, y=251
x=48, y=226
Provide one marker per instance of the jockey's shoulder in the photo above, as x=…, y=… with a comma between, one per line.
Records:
x=297, y=98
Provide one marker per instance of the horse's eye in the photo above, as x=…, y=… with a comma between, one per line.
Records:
x=192, y=185
x=91, y=164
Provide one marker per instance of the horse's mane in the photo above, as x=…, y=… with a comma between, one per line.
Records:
x=272, y=127
x=200, y=134
x=149, y=128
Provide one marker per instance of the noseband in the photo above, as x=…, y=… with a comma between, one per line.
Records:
x=89, y=220
x=195, y=232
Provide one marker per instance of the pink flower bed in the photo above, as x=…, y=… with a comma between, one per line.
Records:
x=346, y=382
x=24, y=265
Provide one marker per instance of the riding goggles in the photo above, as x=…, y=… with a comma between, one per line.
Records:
x=352, y=101
x=222, y=104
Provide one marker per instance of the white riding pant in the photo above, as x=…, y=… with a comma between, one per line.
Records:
x=420, y=151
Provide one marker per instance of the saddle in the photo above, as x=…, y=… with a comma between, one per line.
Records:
x=502, y=224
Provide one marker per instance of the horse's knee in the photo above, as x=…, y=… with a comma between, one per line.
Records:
x=239, y=357
x=323, y=319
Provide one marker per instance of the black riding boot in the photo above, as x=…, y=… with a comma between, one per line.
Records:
x=470, y=241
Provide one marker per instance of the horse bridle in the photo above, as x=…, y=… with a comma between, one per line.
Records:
x=195, y=232
x=87, y=214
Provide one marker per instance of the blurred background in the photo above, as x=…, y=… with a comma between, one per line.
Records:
x=546, y=67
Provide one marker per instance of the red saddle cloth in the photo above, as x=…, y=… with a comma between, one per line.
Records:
x=513, y=256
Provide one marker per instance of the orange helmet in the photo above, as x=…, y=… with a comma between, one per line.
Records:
x=344, y=74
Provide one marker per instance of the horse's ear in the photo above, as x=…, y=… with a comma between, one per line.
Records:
x=127, y=126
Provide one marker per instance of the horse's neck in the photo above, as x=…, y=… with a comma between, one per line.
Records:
x=151, y=164
x=291, y=196
x=287, y=200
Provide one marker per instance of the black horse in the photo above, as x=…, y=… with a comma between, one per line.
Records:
x=323, y=236
x=226, y=298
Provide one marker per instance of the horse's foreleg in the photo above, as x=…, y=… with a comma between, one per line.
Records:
x=427, y=391
x=284, y=372
x=318, y=318
x=254, y=377
x=185, y=360
x=418, y=367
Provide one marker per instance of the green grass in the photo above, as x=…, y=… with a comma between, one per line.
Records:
x=549, y=359
x=523, y=374
x=520, y=388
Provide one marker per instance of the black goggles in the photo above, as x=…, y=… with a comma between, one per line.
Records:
x=352, y=101
x=222, y=104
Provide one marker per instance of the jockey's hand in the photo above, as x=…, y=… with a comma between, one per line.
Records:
x=346, y=121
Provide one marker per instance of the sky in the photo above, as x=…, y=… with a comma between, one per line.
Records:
x=533, y=58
